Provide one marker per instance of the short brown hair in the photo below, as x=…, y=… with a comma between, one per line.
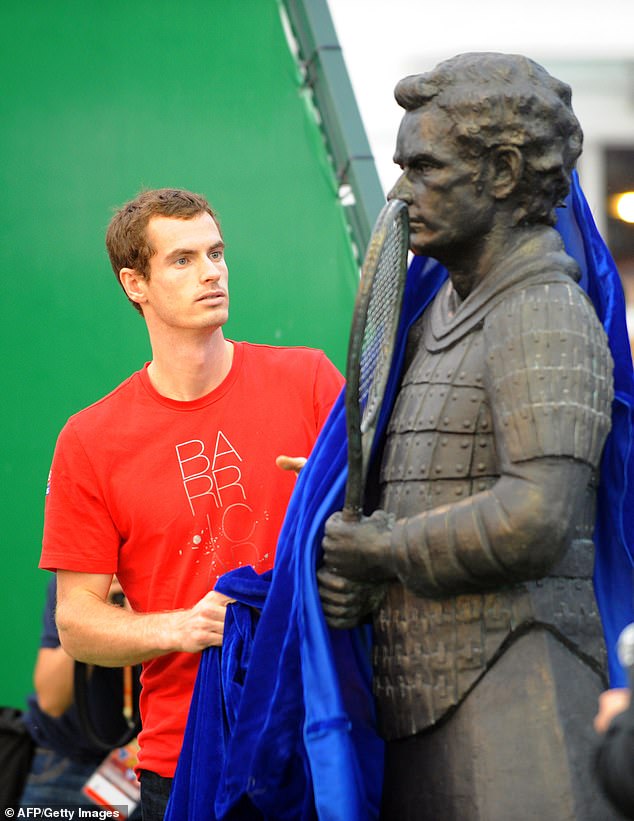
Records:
x=126, y=237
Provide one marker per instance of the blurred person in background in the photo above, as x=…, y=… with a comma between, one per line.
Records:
x=65, y=755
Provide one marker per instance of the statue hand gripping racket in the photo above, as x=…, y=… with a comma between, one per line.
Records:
x=475, y=555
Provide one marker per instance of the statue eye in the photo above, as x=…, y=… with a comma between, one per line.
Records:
x=423, y=166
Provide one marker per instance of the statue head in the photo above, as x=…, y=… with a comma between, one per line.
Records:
x=506, y=100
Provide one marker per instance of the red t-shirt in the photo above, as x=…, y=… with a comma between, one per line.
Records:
x=170, y=495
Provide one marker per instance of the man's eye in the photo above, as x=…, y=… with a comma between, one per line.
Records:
x=216, y=255
x=182, y=261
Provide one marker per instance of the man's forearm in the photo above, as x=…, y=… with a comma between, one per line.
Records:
x=53, y=680
x=96, y=632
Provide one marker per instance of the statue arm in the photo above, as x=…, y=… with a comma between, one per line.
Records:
x=512, y=532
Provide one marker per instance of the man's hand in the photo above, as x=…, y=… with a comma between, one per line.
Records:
x=295, y=463
x=346, y=603
x=611, y=703
x=202, y=626
x=359, y=550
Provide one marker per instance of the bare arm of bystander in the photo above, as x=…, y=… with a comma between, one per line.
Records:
x=96, y=632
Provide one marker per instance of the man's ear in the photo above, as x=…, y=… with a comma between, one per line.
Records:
x=133, y=284
x=507, y=166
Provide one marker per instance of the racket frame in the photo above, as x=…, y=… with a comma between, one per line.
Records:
x=361, y=426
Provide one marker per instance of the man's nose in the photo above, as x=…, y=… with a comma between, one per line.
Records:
x=401, y=190
x=210, y=270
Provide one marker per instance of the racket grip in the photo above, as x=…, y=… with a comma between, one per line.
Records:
x=351, y=514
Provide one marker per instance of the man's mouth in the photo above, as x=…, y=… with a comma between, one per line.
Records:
x=211, y=295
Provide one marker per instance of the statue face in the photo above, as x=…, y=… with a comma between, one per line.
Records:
x=448, y=210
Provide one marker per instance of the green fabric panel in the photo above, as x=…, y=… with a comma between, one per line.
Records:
x=103, y=99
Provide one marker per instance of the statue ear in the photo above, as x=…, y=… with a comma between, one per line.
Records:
x=507, y=165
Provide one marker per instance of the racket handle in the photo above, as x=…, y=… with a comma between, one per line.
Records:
x=351, y=514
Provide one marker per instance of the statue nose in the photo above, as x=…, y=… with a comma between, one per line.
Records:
x=400, y=190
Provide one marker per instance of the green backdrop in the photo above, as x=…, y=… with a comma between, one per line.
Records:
x=100, y=100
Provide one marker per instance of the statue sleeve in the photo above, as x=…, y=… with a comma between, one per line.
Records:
x=549, y=384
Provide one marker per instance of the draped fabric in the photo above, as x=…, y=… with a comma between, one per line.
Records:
x=216, y=697
x=294, y=736
x=614, y=529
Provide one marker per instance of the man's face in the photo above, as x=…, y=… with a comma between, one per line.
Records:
x=447, y=213
x=187, y=285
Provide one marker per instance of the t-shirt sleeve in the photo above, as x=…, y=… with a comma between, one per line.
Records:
x=79, y=533
x=328, y=384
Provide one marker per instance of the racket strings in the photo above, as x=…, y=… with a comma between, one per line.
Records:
x=382, y=316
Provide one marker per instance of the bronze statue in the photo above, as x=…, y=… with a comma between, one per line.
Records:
x=489, y=653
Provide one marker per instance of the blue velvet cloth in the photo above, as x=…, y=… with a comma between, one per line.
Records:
x=614, y=529
x=294, y=737
x=216, y=697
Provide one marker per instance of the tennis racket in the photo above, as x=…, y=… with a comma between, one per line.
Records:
x=375, y=319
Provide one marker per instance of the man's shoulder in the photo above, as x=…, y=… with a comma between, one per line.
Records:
x=298, y=371
x=290, y=352
x=298, y=358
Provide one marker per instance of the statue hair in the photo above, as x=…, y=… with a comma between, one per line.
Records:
x=507, y=99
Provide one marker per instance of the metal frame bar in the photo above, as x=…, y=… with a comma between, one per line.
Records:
x=325, y=74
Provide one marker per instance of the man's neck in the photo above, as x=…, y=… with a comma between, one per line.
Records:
x=190, y=368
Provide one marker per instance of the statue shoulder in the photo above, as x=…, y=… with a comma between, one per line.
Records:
x=544, y=310
x=549, y=372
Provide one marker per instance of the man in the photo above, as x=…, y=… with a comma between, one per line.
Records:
x=170, y=480
x=488, y=641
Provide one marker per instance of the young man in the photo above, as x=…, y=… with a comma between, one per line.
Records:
x=171, y=480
